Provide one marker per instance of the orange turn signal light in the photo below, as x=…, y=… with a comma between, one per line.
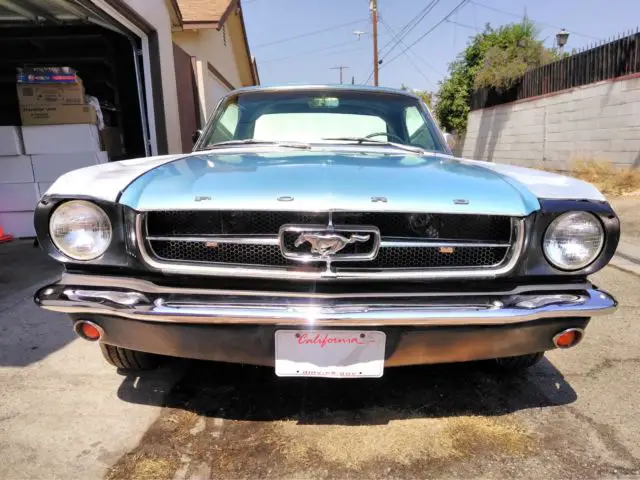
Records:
x=568, y=338
x=88, y=330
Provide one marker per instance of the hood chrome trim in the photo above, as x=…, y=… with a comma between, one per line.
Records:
x=222, y=270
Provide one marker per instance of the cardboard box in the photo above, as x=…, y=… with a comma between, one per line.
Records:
x=11, y=141
x=111, y=141
x=16, y=169
x=48, y=167
x=60, y=139
x=18, y=224
x=50, y=94
x=57, y=114
x=18, y=197
x=43, y=74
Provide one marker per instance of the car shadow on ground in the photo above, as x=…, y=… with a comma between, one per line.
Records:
x=27, y=333
x=237, y=392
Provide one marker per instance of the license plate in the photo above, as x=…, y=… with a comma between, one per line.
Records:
x=329, y=353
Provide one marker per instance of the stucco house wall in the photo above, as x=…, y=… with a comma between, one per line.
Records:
x=221, y=49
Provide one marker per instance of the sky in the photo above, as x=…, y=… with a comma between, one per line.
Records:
x=278, y=32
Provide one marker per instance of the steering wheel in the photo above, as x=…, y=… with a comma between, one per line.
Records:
x=377, y=134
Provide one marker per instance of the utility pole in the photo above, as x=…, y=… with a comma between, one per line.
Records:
x=373, y=7
x=341, y=68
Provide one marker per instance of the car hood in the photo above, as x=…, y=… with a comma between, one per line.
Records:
x=326, y=181
x=377, y=179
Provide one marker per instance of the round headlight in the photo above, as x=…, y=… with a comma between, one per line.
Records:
x=573, y=240
x=80, y=230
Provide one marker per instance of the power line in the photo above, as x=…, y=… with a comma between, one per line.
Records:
x=390, y=30
x=413, y=23
x=306, y=52
x=535, y=21
x=464, y=25
x=446, y=17
x=308, y=34
x=404, y=31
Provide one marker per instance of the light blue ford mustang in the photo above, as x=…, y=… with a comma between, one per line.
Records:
x=325, y=231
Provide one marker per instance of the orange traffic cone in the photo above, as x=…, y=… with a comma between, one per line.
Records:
x=5, y=237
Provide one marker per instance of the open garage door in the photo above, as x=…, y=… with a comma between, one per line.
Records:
x=108, y=54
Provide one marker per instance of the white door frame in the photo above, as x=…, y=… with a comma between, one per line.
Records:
x=146, y=65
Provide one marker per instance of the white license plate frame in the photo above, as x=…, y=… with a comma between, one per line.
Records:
x=330, y=353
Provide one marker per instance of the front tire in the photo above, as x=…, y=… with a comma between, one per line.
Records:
x=127, y=359
x=521, y=362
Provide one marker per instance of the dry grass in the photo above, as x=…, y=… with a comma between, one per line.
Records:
x=608, y=178
x=405, y=441
x=156, y=458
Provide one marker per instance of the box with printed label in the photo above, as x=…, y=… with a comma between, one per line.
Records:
x=49, y=167
x=50, y=94
x=57, y=114
x=40, y=74
x=60, y=138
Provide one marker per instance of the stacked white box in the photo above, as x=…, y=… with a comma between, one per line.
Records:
x=16, y=169
x=18, y=190
x=10, y=141
x=44, y=139
x=18, y=224
x=51, y=151
x=47, y=168
x=18, y=197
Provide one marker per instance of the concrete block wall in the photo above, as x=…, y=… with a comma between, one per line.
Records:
x=600, y=120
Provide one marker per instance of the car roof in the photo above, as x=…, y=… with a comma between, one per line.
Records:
x=350, y=87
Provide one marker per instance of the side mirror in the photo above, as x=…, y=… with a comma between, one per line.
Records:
x=196, y=136
x=451, y=140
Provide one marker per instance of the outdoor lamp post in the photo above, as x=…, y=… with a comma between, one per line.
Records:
x=561, y=37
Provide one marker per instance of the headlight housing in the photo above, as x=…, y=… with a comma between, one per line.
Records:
x=80, y=230
x=573, y=240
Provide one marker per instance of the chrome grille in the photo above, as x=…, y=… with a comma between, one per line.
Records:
x=420, y=245
x=415, y=225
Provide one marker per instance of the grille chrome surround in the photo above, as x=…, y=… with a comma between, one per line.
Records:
x=319, y=270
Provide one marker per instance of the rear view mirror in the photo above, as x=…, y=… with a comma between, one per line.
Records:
x=196, y=136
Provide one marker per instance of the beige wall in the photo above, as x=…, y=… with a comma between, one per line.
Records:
x=157, y=14
x=214, y=47
x=599, y=121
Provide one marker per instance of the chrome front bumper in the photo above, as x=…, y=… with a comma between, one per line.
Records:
x=145, y=301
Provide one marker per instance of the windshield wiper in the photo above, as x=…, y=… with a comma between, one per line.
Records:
x=361, y=140
x=254, y=141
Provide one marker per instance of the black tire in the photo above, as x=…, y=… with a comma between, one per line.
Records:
x=128, y=359
x=521, y=362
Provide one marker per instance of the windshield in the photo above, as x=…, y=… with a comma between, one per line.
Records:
x=323, y=116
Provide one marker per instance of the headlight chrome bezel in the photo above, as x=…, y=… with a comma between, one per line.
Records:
x=102, y=218
x=555, y=225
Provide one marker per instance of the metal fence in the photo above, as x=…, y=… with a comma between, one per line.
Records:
x=609, y=60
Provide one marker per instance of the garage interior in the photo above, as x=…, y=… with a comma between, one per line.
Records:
x=46, y=131
x=61, y=33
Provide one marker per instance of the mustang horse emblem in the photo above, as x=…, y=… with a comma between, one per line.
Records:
x=326, y=244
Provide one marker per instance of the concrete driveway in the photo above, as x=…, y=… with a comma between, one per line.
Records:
x=65, y=414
